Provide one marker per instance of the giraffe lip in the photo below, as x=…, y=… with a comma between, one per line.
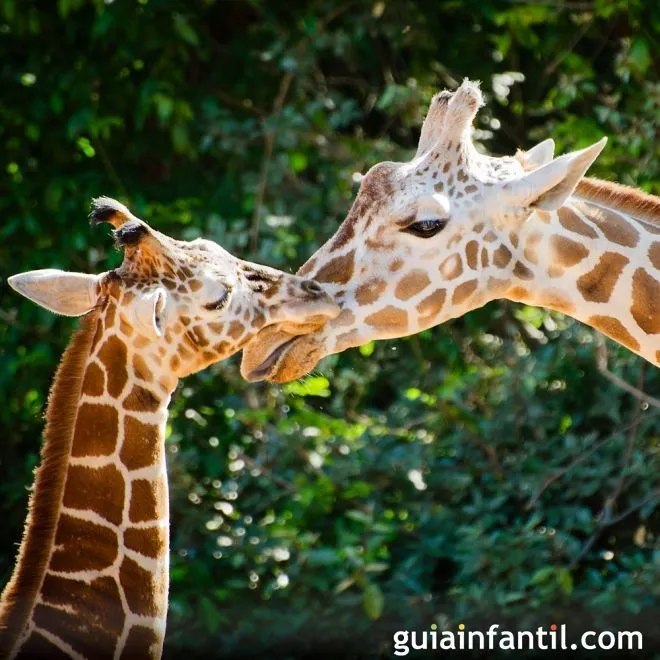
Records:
x=267, y=367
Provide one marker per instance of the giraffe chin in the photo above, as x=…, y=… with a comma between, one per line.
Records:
x=277, y=356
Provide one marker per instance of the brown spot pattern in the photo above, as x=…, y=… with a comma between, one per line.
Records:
x=97, y=428
x=94, y=382
x=614, y=328
x=567, y=252
x=411, y=284
x=339, y=269
x=654, y=254
x=147, y=498
x=236, y=329
x=531, y=248
x=149, y=541
x=113, y=354
x=307, y=267
x=139, y=588
x=370, y=291
x=557, y=301
x=646, y=302
x=501, y=256
x=389, y=317
x=571, y=221
x=124, y=326
x=463, y=292
x=141, y=369
x=345, y=318
x=471, y=252
x=346, y=231
x=432, y=304
x=597, y=285
x=521, y=271
x=143, y=399
x=141, y=642
x=97, y=489
x=141, y=446
x=347, y=339
x=82, y=546
x=614, y=227
x=37, y=646
x=95, y=635
x=451, y=267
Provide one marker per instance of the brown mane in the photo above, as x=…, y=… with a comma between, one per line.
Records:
x=21, y=591
x=639, y=204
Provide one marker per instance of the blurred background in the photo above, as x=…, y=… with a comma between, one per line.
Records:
x=485, y=471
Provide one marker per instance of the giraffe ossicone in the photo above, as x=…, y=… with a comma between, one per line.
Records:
x=431, y=239
x=91, y=579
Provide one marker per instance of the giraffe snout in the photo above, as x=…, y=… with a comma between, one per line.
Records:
x=306, y=302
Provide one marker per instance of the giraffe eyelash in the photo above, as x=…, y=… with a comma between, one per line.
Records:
x=426, y=228
x=220, y=303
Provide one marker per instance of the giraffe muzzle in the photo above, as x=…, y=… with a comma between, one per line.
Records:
x=268, y=366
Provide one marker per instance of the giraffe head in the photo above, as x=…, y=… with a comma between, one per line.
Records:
x=426, y=240
x=186, y=304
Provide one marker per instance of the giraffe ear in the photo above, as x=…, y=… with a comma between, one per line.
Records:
x=539, y=155
x=149, y=311
x=548, y=187
x=70, y=294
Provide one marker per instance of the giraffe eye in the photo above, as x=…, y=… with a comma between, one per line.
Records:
x=218, y=304
x=426, y=228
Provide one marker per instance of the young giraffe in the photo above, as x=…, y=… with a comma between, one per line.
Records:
x=91, y=579
x=431, y=239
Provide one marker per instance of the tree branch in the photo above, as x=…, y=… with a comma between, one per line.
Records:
x=601, y=363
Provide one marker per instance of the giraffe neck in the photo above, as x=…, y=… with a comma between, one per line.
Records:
x=599, y=264
x=91, y=578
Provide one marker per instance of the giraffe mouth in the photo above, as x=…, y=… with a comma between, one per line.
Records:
x=270, y=364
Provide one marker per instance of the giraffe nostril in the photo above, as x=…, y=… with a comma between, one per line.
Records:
x=310, y=286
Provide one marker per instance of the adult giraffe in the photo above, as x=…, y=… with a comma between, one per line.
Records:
x=91, y=579
x=431, y=239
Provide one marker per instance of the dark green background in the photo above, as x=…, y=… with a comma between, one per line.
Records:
x=403, y=483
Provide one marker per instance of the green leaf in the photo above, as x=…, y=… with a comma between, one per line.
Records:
x=297, y=161
x=367, y=349
x=186, y=32
x=311, y=386
x=542, y=575
x=565, y=580
x=639, y=56
x=343, y=585
x=210, y=614
x=373, y=601
x=322, y=557
x=359, y=516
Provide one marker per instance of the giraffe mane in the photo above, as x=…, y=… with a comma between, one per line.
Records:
x=20, y=593
x=639, y=204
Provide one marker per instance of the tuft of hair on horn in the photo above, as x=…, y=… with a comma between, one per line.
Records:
x=106, y=209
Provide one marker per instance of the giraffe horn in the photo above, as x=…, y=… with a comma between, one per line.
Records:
x=432, y=126
x=461, y=109
x=106, y=209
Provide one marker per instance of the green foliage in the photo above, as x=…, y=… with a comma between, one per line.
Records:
x=482, y=471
